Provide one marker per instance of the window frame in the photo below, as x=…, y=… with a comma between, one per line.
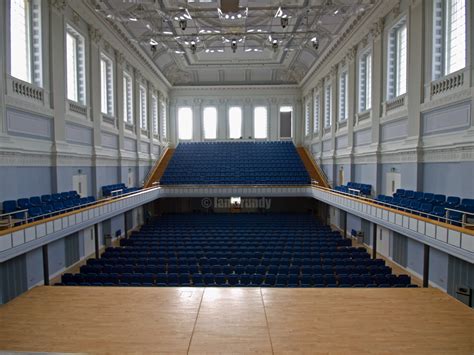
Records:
x=80, y=77
x=241, y=122
x=109, y=85
x=395, y=76
x=343, y=84
x=328, y=105
x=143, y=108
x=191, y=123
x=128, y=98
x=204, y=116
x=258, y=107
x=316, y=110
x=155, y=115
x=365, y=63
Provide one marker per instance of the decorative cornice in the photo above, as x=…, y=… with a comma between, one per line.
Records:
x=119, y=57
x=59, y=5
x=95, y=34
x=351, y=53
x=378, y=27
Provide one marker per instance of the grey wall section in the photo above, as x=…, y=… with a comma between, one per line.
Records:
x=34, y=267
x=56, y=255
x=399, y=249
x=24, y=181
x=366, y=174
x=415, y=253
x=439, y=268
x=408, y=172
x=460, y=273
x=449, y=178
x=13, y=279
x=116, y=225
x=353, y=222
x=106, y=175
x=65, y=174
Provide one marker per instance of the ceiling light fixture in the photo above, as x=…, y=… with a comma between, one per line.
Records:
x=234, y=45
x=284, y=22
x=183, y=24
x=315, y=42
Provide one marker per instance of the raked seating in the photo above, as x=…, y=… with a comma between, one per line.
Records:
x=236, y=163
x=281, y=250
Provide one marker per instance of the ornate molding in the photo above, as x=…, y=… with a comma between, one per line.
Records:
x=59, y=5
x=378, y=27
x=119, y=57
x=351, y=53
x=95, y=34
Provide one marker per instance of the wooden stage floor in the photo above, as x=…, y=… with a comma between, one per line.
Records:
x=236, y=320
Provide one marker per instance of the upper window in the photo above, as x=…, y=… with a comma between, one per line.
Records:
x=154, y=114
x=365, y=81
x=143, y=108
x=343, y=95
x=107, y=85
x=75, y=62
x=185, y=123
x=307, y=118
x=316, y=113
x=397, y=60
x=235, y=123
x=210, y=123
x=449, y=37
x=25, y=41
x=164, y=129
x=260, y=122
x=327, y=106
x=127, y=98
x=286, y=121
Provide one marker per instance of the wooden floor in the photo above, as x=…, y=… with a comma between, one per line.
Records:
x=236, y=320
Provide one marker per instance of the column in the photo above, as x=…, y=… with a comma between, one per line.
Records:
x=197, y=120
x=173, y=117
x=334, y=120
x=273, y=119
x=222, y=119
x=298, y=119
x=352, y=107
x=93, y=96
x=3, y=63
x=247, y=119
x=119, y=111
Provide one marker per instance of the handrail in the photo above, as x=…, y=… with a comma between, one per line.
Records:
x=11, y=213
x=27, y=220
x=152, y=171
x=411, y=212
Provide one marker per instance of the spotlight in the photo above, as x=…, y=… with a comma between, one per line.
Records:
x=153, y=48
x=284, y=22
x=275, y=45
x=183, y=24
x=315, y=43
x=234, y=45
x=193, y=47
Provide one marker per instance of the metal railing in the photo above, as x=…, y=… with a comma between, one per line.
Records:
x=28, y=219
x=464, y=220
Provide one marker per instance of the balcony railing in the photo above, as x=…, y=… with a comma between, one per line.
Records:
x=447, y=83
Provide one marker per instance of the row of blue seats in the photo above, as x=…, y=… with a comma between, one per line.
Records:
x=355, y=188
x=238, y=269
x=117, y=189
x=242, y=163
x=454, y=202
x=45, y=204
x=211, y=279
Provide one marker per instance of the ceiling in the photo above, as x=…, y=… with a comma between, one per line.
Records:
x=264, y=52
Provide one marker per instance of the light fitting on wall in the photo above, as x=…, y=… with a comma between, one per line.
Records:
x=315, y=42
x=183, y=24
x=275, y=45
x=79, y=171
x=233, y=45
x=193, y=47
x=284, y=22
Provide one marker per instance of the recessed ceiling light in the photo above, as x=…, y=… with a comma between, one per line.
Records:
x=134, y=19
x=167, y=32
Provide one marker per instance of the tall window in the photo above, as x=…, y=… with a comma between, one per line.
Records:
x=449, y=37
x=316, y=113
x=397, y=65
x=260, y=122
x=235, y=123
x=154, y=115
x=75, y=63
x=286, y=121
x=107, y=85
x=143, y=108
x=307, y=118
x=327, y=106
x=25, y=41
x=164, y=128
x=365, y=81
x=127, y=98
x=210, y=122
x=185, y=123
x=343, y=96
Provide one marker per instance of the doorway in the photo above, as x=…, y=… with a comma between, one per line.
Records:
x=393, y=182
x=79, y=184
x=383, y=242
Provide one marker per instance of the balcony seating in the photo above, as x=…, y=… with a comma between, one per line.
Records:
x=236, y=163
x=362, y=189
x=229, y=250
x=46, y=204
x=117, y=189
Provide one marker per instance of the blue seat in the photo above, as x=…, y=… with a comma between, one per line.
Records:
x=23, y=203
x=9, y=206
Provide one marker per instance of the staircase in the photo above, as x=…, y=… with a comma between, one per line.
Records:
x=159, y=168
x=313, y=169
